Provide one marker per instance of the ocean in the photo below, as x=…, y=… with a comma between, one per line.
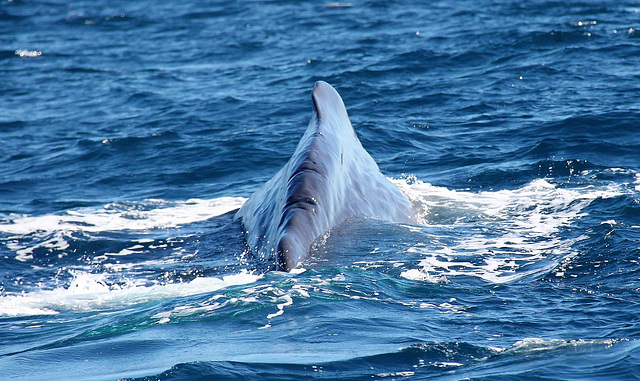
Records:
x=130, y=132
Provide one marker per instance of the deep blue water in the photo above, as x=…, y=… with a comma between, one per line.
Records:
x=130, y=130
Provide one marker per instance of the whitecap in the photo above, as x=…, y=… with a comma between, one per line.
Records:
x=54, y=231
x=149, y=214
x=499, y=236
x=91, y=292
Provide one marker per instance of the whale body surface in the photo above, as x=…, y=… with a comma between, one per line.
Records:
x=329, y=179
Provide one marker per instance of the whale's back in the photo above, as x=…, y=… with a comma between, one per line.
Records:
x=330, y=178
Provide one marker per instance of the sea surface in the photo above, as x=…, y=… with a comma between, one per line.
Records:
x=131, y=130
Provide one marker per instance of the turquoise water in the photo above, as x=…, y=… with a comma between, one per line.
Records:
x=131, y=131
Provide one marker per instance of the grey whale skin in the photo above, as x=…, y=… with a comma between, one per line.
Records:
x=329, y=179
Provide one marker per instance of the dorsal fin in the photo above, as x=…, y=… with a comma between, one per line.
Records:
x=328, y=105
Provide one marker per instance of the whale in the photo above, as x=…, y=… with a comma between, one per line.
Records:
x=330, y=179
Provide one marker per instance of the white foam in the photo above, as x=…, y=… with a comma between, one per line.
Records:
x=267, y=293
x=91, y=292
x=396, y=374
x=499, y=236
x=28, y=53
x=424, y=276
x=55, y=241
x=53, y=231
x=117, y=216
x=534, y=344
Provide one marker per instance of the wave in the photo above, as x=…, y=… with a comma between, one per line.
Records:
x=498, y=236
x=448, y=360
x=149, y=214
x=53, y=231
x=91, y=293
